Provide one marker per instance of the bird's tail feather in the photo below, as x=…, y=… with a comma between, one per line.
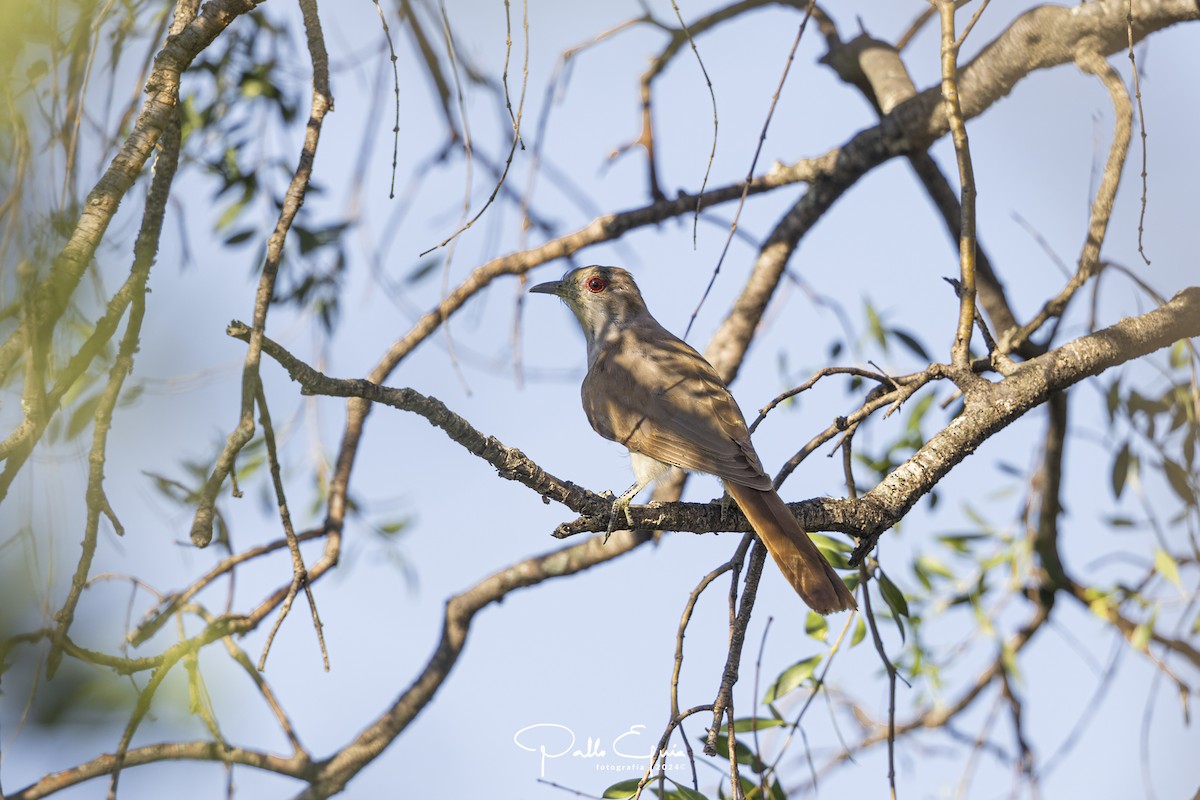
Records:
x=797, y=557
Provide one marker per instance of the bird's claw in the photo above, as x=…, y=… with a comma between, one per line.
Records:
x=621, y=504
x=725, y=502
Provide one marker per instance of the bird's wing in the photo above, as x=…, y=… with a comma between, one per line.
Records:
x=654, y=394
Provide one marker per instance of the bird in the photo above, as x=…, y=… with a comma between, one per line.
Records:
x=650, y=391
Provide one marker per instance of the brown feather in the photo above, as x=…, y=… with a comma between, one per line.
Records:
x=657, y=396
x=649, y=390
x=798, y=558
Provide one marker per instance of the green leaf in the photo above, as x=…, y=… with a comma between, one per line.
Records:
x=622, y=789
x=910, y=341
x=232, y=212
x=829, y=543
x=749, y=724
x=743, y=754
x=393, y=527
x=1112, y=399
x=36, y=70
x=892, y=595
x=860, y=631
x=922, y=576
x=1100, y=603
x=875, y=327
x=82, y=415
x=836, y=551
x=686, y=791
x=1166, y=566
x=1140, y=638
x=752, y=790
x=1178, y=354
x=895, y=601
x=422, y=270
x=816, y=626
x=1120, y=470
x=130, y=394
x=918, y=412
x=1178, y=478
x=934, y=566
x=792, y=677
x=1010, y=469
x=1008, y=657
x=961, y=542
x=249, y=466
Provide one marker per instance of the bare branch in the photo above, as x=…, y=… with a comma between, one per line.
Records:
x=322, y=101
x=966, y=176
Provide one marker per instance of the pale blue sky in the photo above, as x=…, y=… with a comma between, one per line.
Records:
x=593, y=653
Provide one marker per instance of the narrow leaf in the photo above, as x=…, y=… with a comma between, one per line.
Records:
x=910, y=341
x=1178, y=478
x=1165, y=565
x=1120, y=470
x=621, y=790
x=748, y=724
x=743, y=753
x=792, y=677
x=860, y=631
x=933, y=565
x=816, y=626
x=892, y=595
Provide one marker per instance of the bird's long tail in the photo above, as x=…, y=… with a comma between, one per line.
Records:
x=798, y=558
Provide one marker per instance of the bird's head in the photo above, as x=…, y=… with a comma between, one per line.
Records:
x=602, y=298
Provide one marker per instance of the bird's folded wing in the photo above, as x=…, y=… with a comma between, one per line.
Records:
x=661, y=398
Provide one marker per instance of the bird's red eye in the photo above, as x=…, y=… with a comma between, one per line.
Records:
x=596, y=284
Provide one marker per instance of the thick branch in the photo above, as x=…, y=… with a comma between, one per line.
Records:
x=1041, y=38
x=296, y=766
x=334, y=773
x=509, y=462
x=876, y=69
x=989, y=409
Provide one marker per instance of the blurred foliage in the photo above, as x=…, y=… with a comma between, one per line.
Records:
x=237, y=95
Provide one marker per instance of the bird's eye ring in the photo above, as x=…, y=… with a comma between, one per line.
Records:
x=595, y=284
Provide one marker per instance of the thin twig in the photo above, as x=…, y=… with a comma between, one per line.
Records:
x=387, y=34
x=322, y=101
x=762, y=138
x=1102, y=205
x=712, y=154
x=966, y=173
x=737, y=635
x=738, y=557
x=512, y=150
x=299, y=571
x=1137, y=92
x=864, y=577
x=818, y=375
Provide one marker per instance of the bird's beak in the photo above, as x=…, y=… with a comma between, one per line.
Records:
x=553, y=287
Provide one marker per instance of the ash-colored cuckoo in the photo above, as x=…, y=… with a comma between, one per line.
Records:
x=649, y=390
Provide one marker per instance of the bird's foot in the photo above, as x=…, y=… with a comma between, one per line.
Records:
x=620, y=508
x=726, y=501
